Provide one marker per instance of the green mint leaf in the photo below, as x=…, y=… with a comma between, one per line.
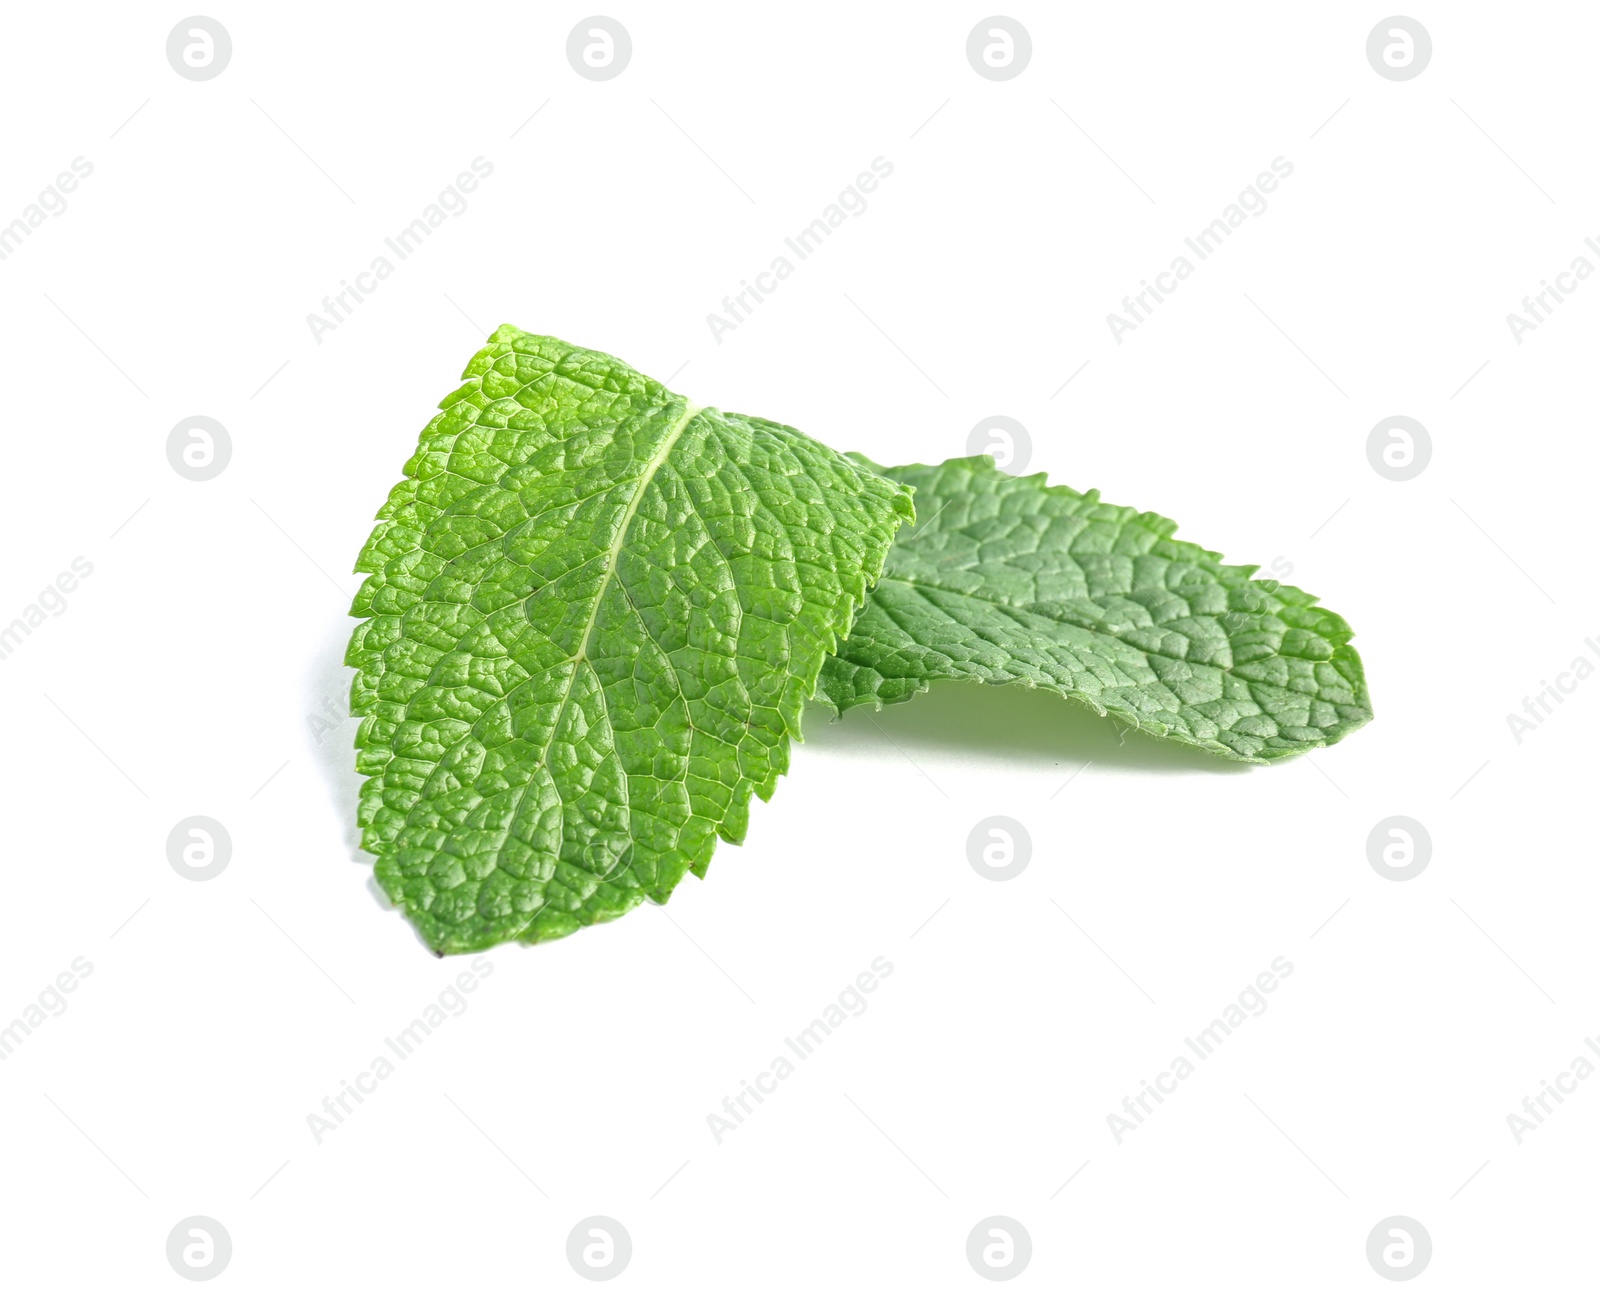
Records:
x=594, y=616
x=1009, y=581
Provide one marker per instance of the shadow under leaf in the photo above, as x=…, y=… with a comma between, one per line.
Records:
x=1027, y=726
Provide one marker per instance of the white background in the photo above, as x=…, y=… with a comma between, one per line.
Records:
x=188, y=674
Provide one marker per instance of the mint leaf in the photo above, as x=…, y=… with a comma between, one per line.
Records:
x=1010, y=581
x=594, y=615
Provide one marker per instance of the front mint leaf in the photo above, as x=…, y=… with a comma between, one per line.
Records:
x=1010, y=581
x=594, y=616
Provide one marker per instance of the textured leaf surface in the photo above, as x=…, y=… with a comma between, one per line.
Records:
x=1007, y=580
x=594, y=615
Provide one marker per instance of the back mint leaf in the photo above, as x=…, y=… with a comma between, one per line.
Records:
x=594, y=615
x=1009, y=581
